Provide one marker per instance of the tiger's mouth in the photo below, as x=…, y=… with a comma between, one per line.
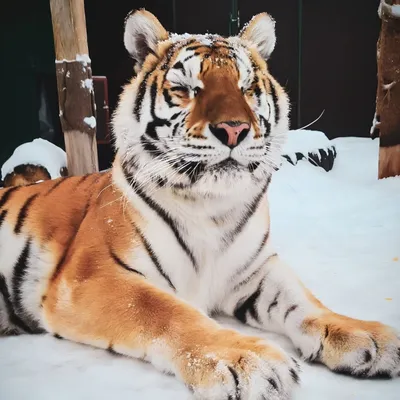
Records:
x=231, y=164
x=227, y=164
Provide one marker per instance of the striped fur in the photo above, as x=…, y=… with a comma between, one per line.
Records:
x=133, y=260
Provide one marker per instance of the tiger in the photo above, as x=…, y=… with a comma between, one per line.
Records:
x=138, y=260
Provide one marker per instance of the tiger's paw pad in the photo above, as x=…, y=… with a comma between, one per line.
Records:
x=258, y=371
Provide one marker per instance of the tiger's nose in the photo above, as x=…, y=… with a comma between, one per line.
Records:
x=230, y=133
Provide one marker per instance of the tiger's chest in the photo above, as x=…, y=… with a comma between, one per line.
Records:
x=200, y=256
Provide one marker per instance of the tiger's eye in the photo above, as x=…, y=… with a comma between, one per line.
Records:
x=196, y=90
x=179, y=89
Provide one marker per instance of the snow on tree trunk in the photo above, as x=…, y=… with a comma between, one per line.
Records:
x=387, y=117
x=75, y=85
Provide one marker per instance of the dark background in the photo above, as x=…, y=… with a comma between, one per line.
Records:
x=325, y=57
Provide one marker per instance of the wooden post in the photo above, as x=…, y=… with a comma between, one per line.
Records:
x=387, y=117
x=75, y=85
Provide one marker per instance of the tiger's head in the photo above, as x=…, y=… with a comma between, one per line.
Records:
x=203, y=113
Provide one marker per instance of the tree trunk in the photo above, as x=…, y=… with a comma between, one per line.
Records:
x=387, y=117
x=75, y=85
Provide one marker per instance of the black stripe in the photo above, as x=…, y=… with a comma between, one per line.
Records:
x=170, y=52
x=275, y=100
x=274, y=302
x=235, y=377
x=175, y=129
x=289, y=310
x=192, y=169
x=273, y=383
x=56, y=185
x=249, y=305
x=295, y=362
x=160, y=182
x=176, y=115
x=295, y=375
x=195, y=47
x=6, y=196
x=168, y=98
x=18, y=278
x=154, y=258
x=180, y=66
x=156, y=122
x=23, y=213
x=195, y=146
x=253, y=166
x=140, y=96
x=251, y=209
x=201, y=66
x=257, y=92
x=83, y=179
x=223, y=46
x=118, y=261
x=317, y=355
x=253, y=257
x=150, y=147
x=14, y=319
x=3, y=216
x=179, y=89
x=189, y=57
x=160, y=211
x=248, y=279
x=389, y=139
x=266, y=124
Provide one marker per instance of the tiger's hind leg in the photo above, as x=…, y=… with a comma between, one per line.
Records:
x=276, y=300
x=121, y=311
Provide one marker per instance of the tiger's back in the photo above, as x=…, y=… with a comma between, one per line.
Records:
x=40, y=226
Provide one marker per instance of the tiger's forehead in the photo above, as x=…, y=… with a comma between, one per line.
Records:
x=192, y=55
x=187, y=46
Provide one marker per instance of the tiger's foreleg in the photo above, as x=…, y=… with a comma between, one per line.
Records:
x=278, y=301
x=121, y=311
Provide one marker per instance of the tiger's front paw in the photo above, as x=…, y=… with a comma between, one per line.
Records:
x=239, y=367
x=359, y=348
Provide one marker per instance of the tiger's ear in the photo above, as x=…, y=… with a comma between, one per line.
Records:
x=260, y=31
x=142, y=33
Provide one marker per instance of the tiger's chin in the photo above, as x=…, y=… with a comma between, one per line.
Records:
x=227, y=179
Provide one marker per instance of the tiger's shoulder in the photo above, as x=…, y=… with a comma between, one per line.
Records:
x=55, y=205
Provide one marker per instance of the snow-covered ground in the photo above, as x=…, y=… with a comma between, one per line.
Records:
x=339, y=230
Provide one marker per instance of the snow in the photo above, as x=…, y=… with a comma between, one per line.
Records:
x=389, y=85
x=339, y=231
x=88, y=83
x=392, y=10
x=396, y=10
x=91, y=121
x=305, y=141
x=375, y=125
x=83, y=58
x=38, y=152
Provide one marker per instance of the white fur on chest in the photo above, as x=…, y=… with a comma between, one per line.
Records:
x=204, y=226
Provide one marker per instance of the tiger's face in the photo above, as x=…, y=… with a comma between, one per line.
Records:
x=203, y=113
